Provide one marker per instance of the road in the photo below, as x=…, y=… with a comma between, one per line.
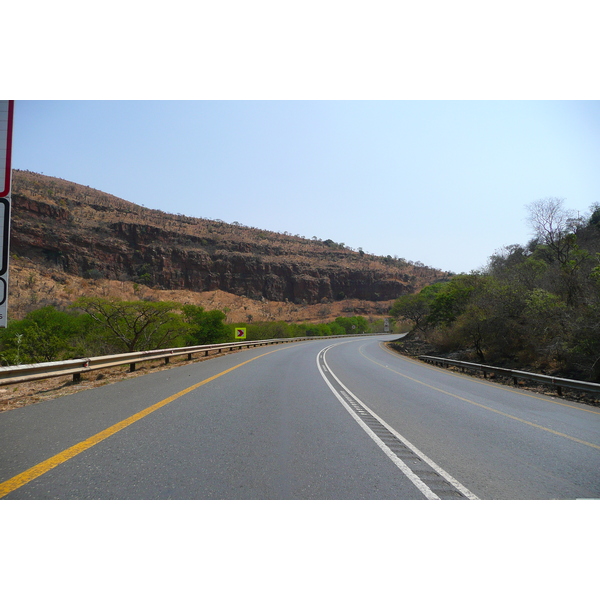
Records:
x=326, y=419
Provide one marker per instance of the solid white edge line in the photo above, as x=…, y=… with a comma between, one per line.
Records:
x=470, y=495
x=422, y=487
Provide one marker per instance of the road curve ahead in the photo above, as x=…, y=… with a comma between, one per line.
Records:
x=325, y=419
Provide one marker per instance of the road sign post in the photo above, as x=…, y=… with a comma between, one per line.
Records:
x=6, y=125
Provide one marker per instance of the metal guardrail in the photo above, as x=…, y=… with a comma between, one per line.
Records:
x=77, y=367
x=557, y=382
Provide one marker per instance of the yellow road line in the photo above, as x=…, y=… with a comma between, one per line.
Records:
x=486, y=407
x=10, y=485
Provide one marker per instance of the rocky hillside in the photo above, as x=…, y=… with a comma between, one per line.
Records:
x=80, y=232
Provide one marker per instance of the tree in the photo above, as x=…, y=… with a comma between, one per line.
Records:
x=352, y=325
x=449, y=300
x=471, y=328
x=486, y=320
x=32, y=344
x=205, y=327
x=45, y=334
x=534, y=307
x=554, y=226
x=546, y=318
x=413, y=307
x=138, y=325
x=557, y=229
x=595, y=216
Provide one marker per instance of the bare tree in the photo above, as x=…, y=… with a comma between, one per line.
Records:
x=556, y=228
x=553, y=225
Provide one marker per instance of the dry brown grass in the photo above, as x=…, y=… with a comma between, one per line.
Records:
x=93, y=207
x=34, y=284
x=32, y=287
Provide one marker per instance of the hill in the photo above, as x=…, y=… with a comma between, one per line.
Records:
x=69, y=240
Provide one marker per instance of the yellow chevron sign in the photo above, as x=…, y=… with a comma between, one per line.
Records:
x=240, y=333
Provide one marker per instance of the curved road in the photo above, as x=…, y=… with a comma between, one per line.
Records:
x=326, y=419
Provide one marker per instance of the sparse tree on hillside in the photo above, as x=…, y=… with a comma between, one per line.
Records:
x=138, y=325
x=556, y=228
x=553, y=226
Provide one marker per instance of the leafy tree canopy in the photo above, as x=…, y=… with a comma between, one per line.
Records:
x=137, y=325
x=205, y=327
x=535, y=306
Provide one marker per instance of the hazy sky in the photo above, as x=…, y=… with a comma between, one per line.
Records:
x=441, y=182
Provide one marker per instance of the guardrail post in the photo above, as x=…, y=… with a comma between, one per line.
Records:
x=518, y=377
x=190, y=356
x=76, y=377
x=131, y=367
x=166, y=360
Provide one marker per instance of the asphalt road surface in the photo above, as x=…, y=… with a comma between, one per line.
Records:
x=326, y=419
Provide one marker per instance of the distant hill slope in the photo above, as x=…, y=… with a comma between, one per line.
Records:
x=82, y=232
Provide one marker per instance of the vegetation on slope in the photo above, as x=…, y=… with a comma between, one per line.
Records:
x=535, y=306
x=102, y=209
x=102, y=326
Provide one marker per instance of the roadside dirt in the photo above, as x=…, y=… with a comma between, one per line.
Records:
x=33, y=392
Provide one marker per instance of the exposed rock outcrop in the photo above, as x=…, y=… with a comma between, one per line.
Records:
x=87, y=233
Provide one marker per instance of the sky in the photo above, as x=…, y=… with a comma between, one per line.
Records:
x=442, y=182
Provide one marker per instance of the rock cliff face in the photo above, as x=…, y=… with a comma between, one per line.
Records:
x=91, y=234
